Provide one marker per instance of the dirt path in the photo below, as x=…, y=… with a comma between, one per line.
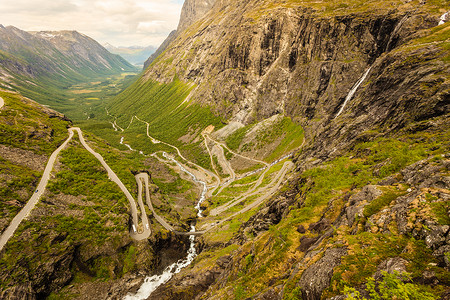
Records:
x=2, y=102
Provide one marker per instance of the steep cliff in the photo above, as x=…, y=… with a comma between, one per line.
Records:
x=192, y=11
x=369, y=84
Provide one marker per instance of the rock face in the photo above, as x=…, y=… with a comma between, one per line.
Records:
x=255, y=59
x=270, y=52
x=317, y=277
x=192, y=11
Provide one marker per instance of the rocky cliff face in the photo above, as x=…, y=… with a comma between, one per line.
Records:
x=360, y=182
x=192, y=11
x=291, y=60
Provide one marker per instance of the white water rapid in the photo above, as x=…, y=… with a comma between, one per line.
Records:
x=151, y=283
x=204, y=191
x=353, y=91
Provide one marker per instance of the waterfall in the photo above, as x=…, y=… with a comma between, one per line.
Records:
x=394, y=32
x=151, y=283
x=443, y=18
x=353, y=90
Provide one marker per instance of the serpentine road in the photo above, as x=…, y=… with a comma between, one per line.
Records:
x=8, y=233
x=143, y=177
x=140, y=178
x=2, y=102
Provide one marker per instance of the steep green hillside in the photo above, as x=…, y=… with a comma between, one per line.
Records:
x=29, y=133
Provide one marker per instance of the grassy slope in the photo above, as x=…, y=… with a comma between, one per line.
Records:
x=163, y=107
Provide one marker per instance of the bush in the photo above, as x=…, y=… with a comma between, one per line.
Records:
x=392, y=287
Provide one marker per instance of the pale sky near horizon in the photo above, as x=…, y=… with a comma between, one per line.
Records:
x=118, y=22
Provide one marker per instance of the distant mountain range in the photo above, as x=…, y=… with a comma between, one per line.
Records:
x=136, y=55
x=36, y=62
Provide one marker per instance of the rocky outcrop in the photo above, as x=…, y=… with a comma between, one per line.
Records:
x=192, y=11
x=317, y=277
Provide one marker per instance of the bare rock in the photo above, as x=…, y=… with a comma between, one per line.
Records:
x=301, y=229
x=359, y=201
x=443, y=259
x=271, y=294
x=391, y=265
x=436, y=237
x=317, y=277
x=19, y=292
x=320, y=226
x=306, y=242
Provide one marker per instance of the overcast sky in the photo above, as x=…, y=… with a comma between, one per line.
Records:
x=118, y=22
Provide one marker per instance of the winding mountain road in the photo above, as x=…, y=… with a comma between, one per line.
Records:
x=232, y=152
x=156, y=141
x=265, y=192
x=113, y=177
x=8, y=233
x=286, y=167
x=143, y=177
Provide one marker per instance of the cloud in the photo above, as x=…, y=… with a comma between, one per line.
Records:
x=119, y=22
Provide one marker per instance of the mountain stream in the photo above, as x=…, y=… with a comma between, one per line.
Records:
x=151, y=283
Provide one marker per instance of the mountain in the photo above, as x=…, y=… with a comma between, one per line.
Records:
x=305, y=142
x=192, y=11
x=38, y=62
x=367, y=83
x=136, y=55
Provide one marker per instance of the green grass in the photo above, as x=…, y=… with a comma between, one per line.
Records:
x=168, y=116
x=284, y=135
x=234, y=140
x=377, y=204
x=20, y=122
